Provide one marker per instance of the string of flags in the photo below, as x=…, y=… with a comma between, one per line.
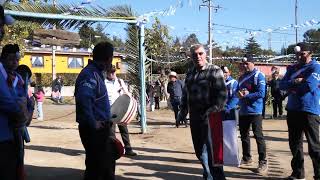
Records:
x=171, y=11
x=79, y=7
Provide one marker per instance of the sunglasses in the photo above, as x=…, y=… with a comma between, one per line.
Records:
x=199, y=53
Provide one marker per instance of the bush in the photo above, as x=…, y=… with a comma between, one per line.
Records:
x=46, y=79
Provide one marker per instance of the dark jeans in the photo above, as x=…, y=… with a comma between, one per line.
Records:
x=175, y=102
x=299, y=122
x=157, y=102
x=277, y=104
x=8, y=160
x=100, y=161
x=244, y=124
x=199, y=133
x=124, y=135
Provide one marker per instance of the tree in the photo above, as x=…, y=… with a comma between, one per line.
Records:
x=191, y=40
x=290, y=49
x=253, y=47
x=87, y=35
x=118, y=44
x=157, y=41
x=19, y=32
x=233, y=52
x=99, y=35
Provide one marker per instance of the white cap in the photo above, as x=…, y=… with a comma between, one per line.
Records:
x=172, y=73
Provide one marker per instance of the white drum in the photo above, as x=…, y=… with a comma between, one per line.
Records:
x=124, y=109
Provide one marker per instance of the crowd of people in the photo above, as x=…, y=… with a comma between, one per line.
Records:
x=210, y=90
x=208, y=94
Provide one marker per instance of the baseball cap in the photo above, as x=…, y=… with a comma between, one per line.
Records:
x=248, y=58
x=302, y=46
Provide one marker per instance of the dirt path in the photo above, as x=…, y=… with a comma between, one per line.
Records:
x=165, y=152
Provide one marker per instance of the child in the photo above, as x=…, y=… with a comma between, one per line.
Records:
x=39, y=95
x=56, y=95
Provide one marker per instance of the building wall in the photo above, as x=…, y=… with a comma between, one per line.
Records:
x=61, y=62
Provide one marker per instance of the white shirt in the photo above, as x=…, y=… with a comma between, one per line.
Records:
x=115, y=89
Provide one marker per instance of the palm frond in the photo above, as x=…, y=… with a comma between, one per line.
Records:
x=117, y=12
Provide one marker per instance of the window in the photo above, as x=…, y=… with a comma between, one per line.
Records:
x=37, y=61
x=75, y=62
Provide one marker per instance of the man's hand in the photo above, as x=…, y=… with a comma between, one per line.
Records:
x=240, y=94
x=298, y=80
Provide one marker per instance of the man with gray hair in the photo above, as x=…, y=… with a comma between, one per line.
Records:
x=204, y=93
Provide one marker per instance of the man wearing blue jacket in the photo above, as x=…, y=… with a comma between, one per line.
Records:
x=93, y=115
x=302, y=81
x=251, y=91
x=10, y=107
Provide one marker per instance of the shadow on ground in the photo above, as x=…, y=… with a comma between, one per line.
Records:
x=57, y=173
x=68, y=152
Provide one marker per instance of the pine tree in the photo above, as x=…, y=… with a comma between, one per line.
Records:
x=253, y=47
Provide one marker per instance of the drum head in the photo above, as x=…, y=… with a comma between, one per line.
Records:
x=122, y=108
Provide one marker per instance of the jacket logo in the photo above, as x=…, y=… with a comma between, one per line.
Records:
x=316, y=76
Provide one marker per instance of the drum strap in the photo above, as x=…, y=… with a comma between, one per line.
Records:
x=121, y=85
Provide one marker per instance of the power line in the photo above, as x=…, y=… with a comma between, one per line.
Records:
x=249, y=29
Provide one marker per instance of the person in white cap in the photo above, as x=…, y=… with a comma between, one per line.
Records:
x=174, y=89
x=302, y=80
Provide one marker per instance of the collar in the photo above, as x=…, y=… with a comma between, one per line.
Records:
x=202, y=69
x=229, y=79
x=250, y=72
x=3, y=71
x=113, y=81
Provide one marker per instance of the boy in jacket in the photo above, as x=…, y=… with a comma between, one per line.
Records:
x=251, y=91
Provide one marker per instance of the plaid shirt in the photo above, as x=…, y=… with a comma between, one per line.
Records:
x=204, y=90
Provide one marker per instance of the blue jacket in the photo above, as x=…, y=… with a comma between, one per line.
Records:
x=175, y=88
x=233, y=99
x=306, y=95
x=255, y=83
x=8, y=107
x=92, y=102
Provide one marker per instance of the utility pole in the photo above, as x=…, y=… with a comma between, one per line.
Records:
x=269, y=40
x=209, y=5
x=296, y=19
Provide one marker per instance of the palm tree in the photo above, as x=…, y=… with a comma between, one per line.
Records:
x=117, y=12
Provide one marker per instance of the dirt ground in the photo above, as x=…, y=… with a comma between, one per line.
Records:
x=164, y=152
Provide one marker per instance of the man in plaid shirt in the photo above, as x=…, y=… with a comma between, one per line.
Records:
x=204, y=92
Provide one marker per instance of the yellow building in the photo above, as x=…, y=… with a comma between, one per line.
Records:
x=66, y=61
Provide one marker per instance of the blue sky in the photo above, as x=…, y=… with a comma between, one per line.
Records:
x=249, y=14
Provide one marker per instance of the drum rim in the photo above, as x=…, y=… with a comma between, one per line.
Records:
x=131, y=113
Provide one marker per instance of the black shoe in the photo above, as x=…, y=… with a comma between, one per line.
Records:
x=294, y=176
x=130, y=153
